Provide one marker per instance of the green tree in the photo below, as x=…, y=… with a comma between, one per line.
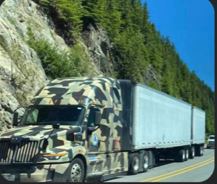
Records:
x=137, y=44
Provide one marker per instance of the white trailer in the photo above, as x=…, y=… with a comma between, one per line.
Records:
x=198, y=130
x=198, y=126
x=159, y=120
x=159, y=126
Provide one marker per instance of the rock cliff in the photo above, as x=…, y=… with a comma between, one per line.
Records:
x=21, y=71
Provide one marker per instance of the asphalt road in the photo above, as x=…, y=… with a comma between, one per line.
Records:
x=194, y=170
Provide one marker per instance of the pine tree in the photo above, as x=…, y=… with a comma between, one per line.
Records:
x=137, y=44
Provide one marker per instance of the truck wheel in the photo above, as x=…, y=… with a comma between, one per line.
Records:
x=134, y=163
x=201, y=151
x=77, y=172
x=187, y=154
x=192, y=152
x=181, y=155
x=145, y=161
x=152, y=159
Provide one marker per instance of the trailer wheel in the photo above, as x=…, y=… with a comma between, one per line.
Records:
x=152, y=159
x=146, y=162
x=181, y=155
x=187, y=154
x=199, y=150
x=77, y=172
x=134, y=163
x=192, y=152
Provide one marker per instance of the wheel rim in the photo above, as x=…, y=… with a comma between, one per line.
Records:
x=76, y=173
x=187, y=154
x=201, y=150
x=183, y=155
x=145, y=165
x=136, y=164
x=193, y=152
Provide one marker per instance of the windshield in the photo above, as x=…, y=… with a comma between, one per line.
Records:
x=49, y=115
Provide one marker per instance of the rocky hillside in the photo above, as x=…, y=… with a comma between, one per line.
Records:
x=45, y=39
x=21, y=71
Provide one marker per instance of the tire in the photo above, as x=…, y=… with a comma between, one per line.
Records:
x=152, y=159
x=186, y=154
x=181, y=155
x=134, y=163
x=77, y=171
x=199, y=150
x=192, y=152
x=145, y=161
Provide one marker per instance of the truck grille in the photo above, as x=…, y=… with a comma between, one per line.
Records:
x=23, y=151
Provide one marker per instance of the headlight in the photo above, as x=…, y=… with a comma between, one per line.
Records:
x=52, y=156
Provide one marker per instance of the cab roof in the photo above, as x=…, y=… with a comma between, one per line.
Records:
x=77, y=90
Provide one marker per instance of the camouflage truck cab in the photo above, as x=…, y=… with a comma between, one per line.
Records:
x=71, y=131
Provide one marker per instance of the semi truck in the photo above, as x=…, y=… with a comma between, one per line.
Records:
x=81, y=128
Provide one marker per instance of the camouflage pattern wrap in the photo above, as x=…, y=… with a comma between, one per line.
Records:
x=101, y=149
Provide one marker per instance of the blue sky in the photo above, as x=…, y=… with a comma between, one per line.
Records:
x=189, y=24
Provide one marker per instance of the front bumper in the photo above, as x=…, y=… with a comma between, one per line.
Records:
x=34, y=173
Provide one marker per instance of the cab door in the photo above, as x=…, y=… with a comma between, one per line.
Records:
x=98, y=143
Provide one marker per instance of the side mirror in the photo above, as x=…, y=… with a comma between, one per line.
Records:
x=15, y=119
x=94, y=119
x=17, y=116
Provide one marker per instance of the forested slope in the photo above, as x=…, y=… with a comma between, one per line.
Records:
x=139, y=51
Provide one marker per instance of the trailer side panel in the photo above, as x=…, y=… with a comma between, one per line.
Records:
x=198, y=133
x=159, y=120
